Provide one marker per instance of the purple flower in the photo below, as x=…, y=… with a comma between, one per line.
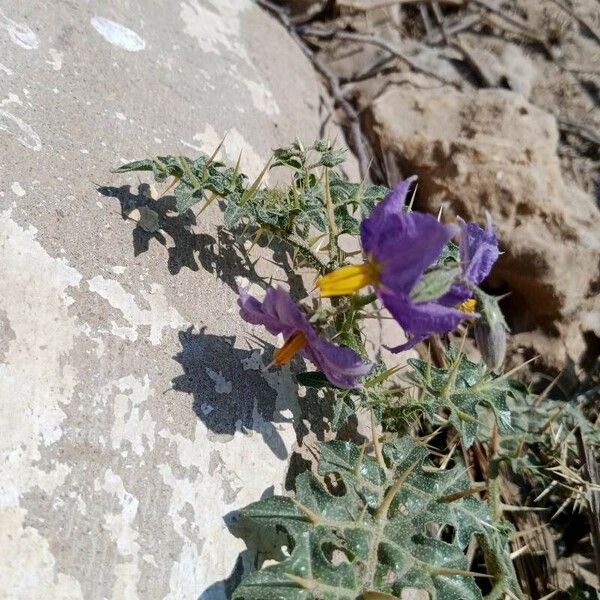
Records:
x=399, y=247
x=478, y=251
x=279, y=314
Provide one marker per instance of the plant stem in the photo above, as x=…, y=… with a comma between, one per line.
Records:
x=303, y=249
x=334, y=250
x=359, y=302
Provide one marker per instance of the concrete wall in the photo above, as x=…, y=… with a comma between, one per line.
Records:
x=133, y=411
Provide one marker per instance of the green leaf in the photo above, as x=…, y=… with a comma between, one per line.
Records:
x=435, y=284
x=186, y=196
x=366, y=537
x=137, y=165
x=462, y=390
x=343, y=408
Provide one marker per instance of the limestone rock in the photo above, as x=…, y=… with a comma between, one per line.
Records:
x=491, y=150
x=519, y=70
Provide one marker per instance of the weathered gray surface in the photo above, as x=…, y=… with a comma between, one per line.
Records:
x=134, y=416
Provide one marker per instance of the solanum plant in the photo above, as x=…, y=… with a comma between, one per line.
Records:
x=407, y=515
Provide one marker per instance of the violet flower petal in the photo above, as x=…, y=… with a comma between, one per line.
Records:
x=478, y=251
x=342, y=366
x=422, y=319
x=280, y=314
x=407, y=245
x=392, y=204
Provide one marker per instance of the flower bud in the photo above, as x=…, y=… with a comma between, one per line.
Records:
x=490, y=331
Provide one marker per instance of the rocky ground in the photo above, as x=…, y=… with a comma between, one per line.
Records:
x=495, y=105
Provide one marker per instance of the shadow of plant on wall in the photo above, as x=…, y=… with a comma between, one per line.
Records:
x=157, y=219
x=232, y=393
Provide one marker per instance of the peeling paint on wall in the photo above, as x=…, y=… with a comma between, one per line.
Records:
x=17, y=127
x=120, y=525
x=113, y=482
x=32, y=392
x=132, y=424
x=216, y=24
x=117, y=34
x=157, y=317
x=19, y=33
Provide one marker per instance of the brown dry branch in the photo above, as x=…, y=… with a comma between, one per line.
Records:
x=463, y=23
x=373, y=40
x=586, y=133
x=593, y=31
x=471, y=62
x=592, y=474
x=358, y=141
x=366, y=5
x=509, y=18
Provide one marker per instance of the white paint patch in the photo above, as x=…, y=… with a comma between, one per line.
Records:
x=11, y=99
x=17, y=189
x=217, y=26
x=262, y=97
x=121, y=524
x=27, y=565
x=222, y=386
x=157, y=317
x=4, y=69
x=117, y=34
x=32, y=393
x=56, y=58
x=120, y=116
x=187, y=571
x=16, y=127
x=125, y=535
x=251, y=163
x=129, y=424
x=245, y=463
x=19, y=33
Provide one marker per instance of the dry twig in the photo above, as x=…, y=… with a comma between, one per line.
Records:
x=582, y=131
x=580, y=20
x=367, y=38
x=592, y=474
x=358, y=141
x=471, y=61
x=366, y=5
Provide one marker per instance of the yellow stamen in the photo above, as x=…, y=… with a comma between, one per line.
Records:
x=292, y=346
x=468, y=306
x=348, y=279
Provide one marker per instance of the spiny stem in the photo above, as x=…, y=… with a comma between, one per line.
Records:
x=376, y=444
x=474, y=489
x=449, y=571
x=383, y=509
x=307, y=584
x=449, y=385
x=333, y=232
x=303, y=249
x=310, y=515
x=359, y=462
